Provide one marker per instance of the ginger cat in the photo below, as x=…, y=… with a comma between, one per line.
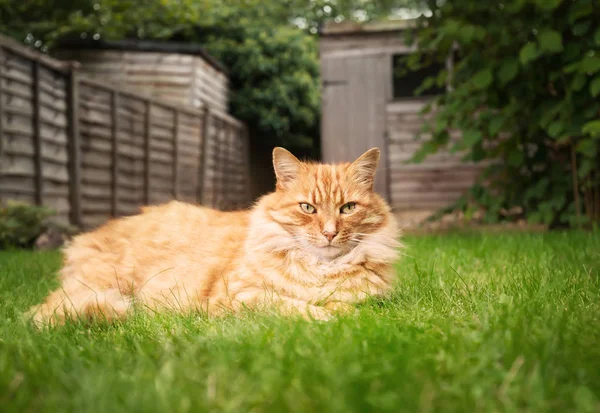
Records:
x=321, y=242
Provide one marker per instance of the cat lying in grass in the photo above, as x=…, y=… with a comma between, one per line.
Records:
x=322, y=241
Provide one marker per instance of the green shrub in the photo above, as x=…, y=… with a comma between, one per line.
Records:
x=21, y=224
x=526, y=96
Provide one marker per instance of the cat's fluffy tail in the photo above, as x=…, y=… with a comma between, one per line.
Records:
x=79, y=302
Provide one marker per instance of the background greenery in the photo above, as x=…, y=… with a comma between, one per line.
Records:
x=477, y=323
x=526, y=95
x=21, y=224
x=525, y=89
x=269, y=46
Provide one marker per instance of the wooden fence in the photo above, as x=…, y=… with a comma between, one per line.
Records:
x=91, y=151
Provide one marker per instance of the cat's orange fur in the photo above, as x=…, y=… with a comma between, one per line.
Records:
x=182, y=256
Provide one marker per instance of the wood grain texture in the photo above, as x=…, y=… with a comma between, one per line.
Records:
x=92, y=149
x=176, y=78
x=354, y=101
x=2, y=98
x=358, y=113
x=438, y=180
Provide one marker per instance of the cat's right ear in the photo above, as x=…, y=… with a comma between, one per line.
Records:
x=287, y=166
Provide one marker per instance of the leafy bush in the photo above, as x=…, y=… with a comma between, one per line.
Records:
x=274, y=67
x=526, y=96
x=21, y=224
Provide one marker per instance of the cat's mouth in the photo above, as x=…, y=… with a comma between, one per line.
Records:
x=330, y=251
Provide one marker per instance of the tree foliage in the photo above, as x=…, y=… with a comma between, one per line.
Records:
x=525, y=94
x=267, y=45
x=274, y=68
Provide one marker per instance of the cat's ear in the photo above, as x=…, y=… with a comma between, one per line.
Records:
x=287, y=166
x=363, y=169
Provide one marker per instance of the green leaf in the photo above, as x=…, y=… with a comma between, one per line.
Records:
x=483, y=78
x=595, y=86
x=548, y=4
x=550, y=41
x=427, y=84
x=508, y=71
x=579, y=82
x=572, y=67
x=586, y=166
x=426, y=109
x=441, y=124
x=452, y=27
x=495, y=125
x=471, y=137
x=591, y=128
x=515, y=158
x=534, y=217
x=581, y=28
x=514, y=6
x=590, y=64
x=597, y=37
x=587, y=147
x=555, y=128
x=573, y=51
x=549, y=112
x=477, y=153
x=467, y=34
x=528, y=53
x=427, y=148
x=578, y=10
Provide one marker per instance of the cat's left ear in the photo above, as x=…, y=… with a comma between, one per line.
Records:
x=363, y=169
x=287, y=166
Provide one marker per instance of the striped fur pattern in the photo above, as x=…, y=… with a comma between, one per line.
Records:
x=322, y=241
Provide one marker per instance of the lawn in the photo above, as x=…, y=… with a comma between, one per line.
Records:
x=478, y=322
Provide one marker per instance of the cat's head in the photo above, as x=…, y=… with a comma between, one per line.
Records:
x=327, y=210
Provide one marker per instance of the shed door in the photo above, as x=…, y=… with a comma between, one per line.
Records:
x=355, y=91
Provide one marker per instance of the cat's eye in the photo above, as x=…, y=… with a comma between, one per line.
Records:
x=308, y=208
x=347, y=208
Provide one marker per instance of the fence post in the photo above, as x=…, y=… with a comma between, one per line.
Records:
x=37, y=138
x=231, y=166
x=1, y=111
x=387, y=167
x=74, y=147
x=175, y=154
x=225, y=167
x=216, y=198
x=223, y=164
x=147, y=153
x=245, y=136
x=203, y=158
x=114, y=101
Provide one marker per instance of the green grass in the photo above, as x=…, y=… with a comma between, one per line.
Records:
x=496, y=322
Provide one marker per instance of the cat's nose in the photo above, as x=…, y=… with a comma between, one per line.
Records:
x=330, y=235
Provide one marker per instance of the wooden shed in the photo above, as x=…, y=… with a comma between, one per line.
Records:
x=366, y=104
x=180, y=73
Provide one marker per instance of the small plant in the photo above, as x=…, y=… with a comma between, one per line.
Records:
x=21, y=224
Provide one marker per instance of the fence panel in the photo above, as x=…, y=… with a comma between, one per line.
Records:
x=136, y=150
x=34, y=129
x=92, y=152
x=226, y=158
